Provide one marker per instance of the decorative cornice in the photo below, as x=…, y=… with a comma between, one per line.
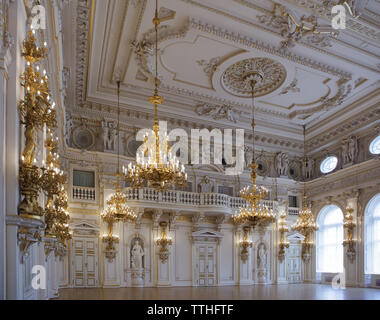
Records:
x=82, y=48
x=348, y=126
x=361, y=175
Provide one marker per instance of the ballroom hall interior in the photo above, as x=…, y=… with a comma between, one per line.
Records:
x=190, y=150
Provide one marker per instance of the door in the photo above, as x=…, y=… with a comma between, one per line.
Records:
x=294, y=263
x=206, y=268
x=85, y=262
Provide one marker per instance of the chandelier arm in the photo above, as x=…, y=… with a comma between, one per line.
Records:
x=156, y=22
x=253, y=83
x=118, y=137
x=304, y=164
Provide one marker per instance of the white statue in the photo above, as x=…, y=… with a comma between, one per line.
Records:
x=345, y=156
x=109, y=134
x=350, y=150
x=205, y=185
x=68, y=128
x=137, y=253
x=309, y=168
x=282, y=164
x=262, y=257
x=353, y=148
x=247, y=156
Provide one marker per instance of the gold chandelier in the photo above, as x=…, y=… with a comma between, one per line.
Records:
x=161, y=169
x=256, y=213
x=117, y=208
x=305, y=223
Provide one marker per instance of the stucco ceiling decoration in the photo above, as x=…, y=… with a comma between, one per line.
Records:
x=233, y=79
x=198, y=42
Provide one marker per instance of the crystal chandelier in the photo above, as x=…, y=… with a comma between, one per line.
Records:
x=256, y=213
x=305, y=223
x=160, y=169
x=117, y=208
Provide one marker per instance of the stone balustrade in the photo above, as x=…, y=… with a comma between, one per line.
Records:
x=192, y=199
x=83, y=193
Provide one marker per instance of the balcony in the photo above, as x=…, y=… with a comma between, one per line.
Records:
x=189, y=201
x=83, y=194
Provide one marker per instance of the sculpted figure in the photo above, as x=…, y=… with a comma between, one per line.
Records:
x=282, y=164
x=309, y=168
x=137, y=253
x=109, y=133
x=205, y=185
x=352, y=148
x=262, y=257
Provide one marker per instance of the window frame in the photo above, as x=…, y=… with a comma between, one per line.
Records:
x=321, y=234
x=370, y=218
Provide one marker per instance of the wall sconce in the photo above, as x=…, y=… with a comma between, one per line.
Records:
x=306, y=250
x=245, y=244
x=163, y=242
x=110, y=250
x=283, y=229
x=109, y=238
x=349, y=242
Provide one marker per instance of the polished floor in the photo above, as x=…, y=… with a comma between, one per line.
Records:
x=255, y=292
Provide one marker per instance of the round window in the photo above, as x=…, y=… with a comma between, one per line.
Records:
x=374, y=147
x=329, y=164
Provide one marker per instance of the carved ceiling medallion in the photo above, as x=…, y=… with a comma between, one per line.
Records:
x=233, y=78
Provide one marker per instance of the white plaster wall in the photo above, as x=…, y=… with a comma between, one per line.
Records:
x=183, y=255
x=227, y=257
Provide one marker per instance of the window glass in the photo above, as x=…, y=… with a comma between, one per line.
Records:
x=329, y=164
x=330, y=240
x=374, y=147
x=84, y=179
x=372, y=236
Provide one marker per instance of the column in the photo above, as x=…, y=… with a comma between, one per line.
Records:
x=11, y=156
x=5, y=60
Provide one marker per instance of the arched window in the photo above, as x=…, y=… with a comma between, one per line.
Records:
x=372, y=236
x=330, y=240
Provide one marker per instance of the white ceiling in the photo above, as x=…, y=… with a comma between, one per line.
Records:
x=200, y=40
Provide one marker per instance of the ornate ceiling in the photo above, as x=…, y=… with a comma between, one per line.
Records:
x=206, y=46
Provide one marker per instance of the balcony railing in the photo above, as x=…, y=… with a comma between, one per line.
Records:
x=293, y=211
x=191, y=198
x=84, y=193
